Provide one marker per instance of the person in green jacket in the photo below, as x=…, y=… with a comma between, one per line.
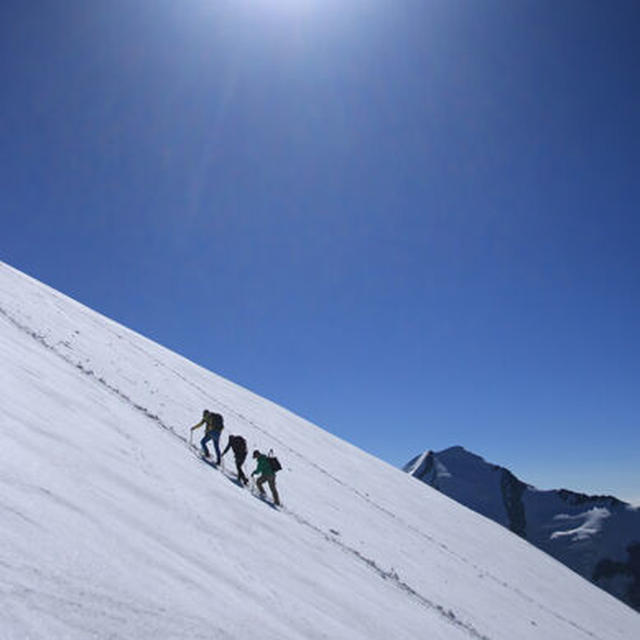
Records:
x=266, y=475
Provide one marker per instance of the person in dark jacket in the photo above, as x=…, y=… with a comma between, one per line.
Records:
x=239, y=447
x=266, y=475
x=213, y=428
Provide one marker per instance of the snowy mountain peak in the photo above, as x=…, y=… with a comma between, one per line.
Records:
x=456, y=455
x=458, y=450
x=112, y=528
x=597, y=536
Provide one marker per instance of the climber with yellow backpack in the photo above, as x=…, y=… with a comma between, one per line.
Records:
x=213, y=428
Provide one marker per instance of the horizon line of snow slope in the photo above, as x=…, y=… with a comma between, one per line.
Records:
x=111, y=528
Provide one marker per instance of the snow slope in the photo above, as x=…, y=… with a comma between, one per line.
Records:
x=112, y=528
x=597, y=536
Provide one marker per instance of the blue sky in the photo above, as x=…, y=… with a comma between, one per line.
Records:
x=414, y=223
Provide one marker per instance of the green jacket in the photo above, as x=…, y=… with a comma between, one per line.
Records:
x=263, y=468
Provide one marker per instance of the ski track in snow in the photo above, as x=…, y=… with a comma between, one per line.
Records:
x=390, y=576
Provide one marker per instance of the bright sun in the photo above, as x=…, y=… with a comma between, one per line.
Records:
x=289, y=6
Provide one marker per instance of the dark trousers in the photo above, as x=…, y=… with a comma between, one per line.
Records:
x=239, y=462
x=271, y=481
x=215, y=436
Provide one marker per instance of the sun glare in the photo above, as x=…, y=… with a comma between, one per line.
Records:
x=293, y=7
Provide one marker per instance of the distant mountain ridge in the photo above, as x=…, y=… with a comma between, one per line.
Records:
x=596, y=536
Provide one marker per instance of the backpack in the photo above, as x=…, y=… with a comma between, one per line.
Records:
x=214, y=421
x=238, y=445
x=274, y=463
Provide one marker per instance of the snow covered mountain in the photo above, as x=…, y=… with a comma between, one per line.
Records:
x=597, y=536
x=112, y=528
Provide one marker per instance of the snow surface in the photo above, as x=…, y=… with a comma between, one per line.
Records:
x=112, y=528
x=590, y=524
